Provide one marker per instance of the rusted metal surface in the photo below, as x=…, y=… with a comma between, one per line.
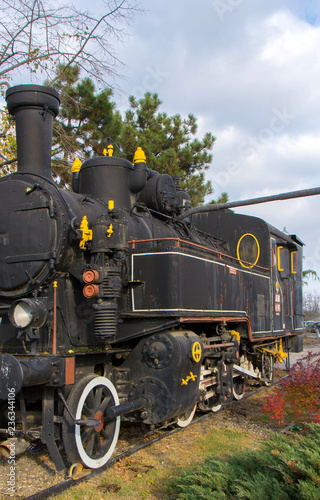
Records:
x=215, y=346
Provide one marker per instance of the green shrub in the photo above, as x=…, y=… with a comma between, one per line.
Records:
x=285, y=468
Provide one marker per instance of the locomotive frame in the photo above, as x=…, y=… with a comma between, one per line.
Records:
x=117, y=300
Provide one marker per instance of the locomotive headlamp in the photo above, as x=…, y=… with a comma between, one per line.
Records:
x=27, y=313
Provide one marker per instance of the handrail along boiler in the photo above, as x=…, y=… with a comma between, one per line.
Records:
x=118, y=301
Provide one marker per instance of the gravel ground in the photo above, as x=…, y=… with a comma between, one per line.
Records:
x=33, y=472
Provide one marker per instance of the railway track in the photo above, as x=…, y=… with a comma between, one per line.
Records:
x=79, y=475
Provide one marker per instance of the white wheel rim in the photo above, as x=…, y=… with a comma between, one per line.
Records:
x=236, y=395
x=185, y=422
x=239, y=395
x=216, y=408
x=99, y=462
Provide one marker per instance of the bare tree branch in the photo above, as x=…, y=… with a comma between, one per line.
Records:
x=7, y=162
x=38, y=37
x=41, y=38
x=5, y=131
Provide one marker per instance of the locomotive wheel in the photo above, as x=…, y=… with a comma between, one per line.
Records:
x=239, y=386
x=90, y=398
x=209, y=405
x=267, y=369
x=185, y=419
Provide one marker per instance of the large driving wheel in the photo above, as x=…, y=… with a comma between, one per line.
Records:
x=89, y=400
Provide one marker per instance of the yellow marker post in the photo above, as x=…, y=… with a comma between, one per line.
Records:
x=281, y=354
x=139, y=156
x=86, y=233
x=76, y=165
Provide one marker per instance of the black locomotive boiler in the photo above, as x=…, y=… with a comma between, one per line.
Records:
x=116, y=304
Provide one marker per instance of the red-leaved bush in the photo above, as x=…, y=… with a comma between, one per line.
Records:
x=297, y=398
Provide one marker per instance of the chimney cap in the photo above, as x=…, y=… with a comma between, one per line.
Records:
x=32, y=95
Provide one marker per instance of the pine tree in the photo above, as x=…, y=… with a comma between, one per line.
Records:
x=88, y=119
x=223, y=198
x=170, y=144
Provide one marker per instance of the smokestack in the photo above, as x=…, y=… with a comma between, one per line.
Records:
x=34, y=107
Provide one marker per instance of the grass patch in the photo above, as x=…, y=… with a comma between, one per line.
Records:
x=147, y=474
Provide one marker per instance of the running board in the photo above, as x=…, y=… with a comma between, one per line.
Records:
x=246, y=372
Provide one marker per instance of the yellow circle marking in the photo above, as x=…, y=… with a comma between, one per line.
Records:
x=196, y=352
x=238, y=252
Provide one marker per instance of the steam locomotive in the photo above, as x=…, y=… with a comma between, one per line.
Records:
x=117, y=302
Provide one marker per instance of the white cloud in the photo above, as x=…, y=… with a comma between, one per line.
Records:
x=236, y=75
x=284, y=33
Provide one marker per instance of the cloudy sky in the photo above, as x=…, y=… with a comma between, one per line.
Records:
x=249, y=70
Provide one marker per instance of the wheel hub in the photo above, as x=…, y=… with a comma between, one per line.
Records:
x=99, y=416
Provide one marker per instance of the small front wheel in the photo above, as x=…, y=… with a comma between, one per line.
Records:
x=90, y=399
